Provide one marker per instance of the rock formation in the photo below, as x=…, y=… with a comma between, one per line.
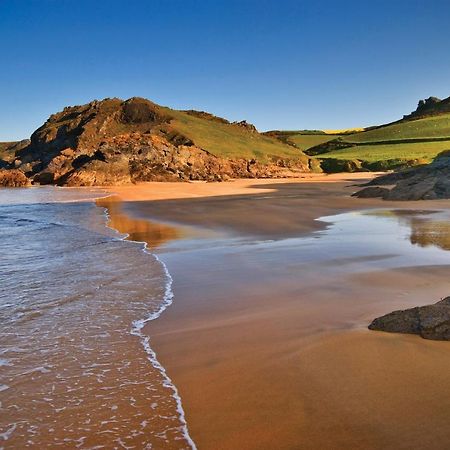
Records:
x=114, y=142
x=430, y=107
x=429, y=182
x=430, y=322
x=13, y=178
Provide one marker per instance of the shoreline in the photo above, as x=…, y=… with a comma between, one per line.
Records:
x=138, y=325
x=209, y=301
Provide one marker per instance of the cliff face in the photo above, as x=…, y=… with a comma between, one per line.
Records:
x=115, y=142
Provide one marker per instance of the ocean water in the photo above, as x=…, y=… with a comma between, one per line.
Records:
x=76, y=368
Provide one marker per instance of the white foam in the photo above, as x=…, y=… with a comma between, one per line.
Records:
x=138, y=325
x=5, y=436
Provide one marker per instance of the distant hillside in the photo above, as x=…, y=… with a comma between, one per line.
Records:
x=416, y=139
x=114, y=141
x=302, y=139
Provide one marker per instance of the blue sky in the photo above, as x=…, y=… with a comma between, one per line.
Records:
x=278, y=64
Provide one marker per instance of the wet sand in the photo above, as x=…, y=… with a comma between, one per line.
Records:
x=271, y=351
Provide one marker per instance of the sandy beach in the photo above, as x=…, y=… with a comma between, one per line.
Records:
x=267, y=338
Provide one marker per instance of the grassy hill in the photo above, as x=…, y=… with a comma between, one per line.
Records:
x=426, y=128
x=423, y=152
x=229, y=140
x=302, y=139
x=402, y=143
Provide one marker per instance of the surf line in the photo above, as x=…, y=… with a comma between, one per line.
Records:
x=138, y=325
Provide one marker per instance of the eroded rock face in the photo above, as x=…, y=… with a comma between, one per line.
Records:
x=112, y=142
x=428, y=182
x=13, y=178
x=430, y=322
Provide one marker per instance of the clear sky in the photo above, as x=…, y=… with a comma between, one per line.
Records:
x=278, y=64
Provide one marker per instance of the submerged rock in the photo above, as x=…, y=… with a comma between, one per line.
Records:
x=430, y=321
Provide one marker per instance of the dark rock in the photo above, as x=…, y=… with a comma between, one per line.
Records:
x=247, y=126
x=430, y=322
x=430, y=107
x=372, y=192
x=428, y=182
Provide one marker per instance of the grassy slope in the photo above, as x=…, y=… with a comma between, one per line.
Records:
x=305, y=141
x=230, y=141
x=391, y=141
x=424, y=151
x=431, y=127
x=302, y=139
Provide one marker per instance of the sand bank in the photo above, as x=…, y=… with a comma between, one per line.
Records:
x=269, y=349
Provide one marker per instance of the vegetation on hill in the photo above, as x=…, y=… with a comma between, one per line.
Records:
x=425, y=151
x=403, y=143
x=230, y=140
x=426, y=128
x=303, y=139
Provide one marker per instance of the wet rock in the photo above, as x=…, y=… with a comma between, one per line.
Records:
x=429, y=322
x=372, y=192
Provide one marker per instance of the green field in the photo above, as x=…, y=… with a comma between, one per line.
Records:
x=424, y=151
x=305, y=141
x=391, y=146
x=230, y=141
x=430, y=127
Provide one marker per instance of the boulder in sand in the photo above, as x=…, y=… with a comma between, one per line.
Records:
x=429, y=322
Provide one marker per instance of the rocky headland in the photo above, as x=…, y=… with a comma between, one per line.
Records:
x=113, y=142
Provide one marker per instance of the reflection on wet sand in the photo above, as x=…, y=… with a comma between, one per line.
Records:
x=153, y=233
x=428, y=228
x=426, y=233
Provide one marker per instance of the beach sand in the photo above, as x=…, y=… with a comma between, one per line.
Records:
x=270, y=351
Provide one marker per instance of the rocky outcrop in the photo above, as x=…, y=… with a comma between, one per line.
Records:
x=13, y=178
x=430, y=107
x=429, y=182
x=430, y=322
x=115, y=142
x=248, y=126
x=9, y=149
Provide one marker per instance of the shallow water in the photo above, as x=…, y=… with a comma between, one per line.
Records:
x=76, y=370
